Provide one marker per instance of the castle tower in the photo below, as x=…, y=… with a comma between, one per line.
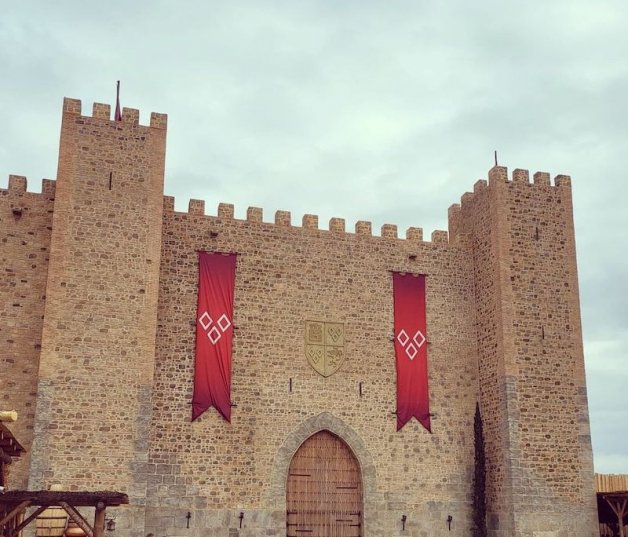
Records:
x=25, y=229
x=531, y=366
x=98, y=342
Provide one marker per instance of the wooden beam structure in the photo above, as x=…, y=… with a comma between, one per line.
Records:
x=618, y=502
x=17, y=510
x=78, y=518
x=19, y=527
x=8, y=442
x=612, y=502
x=14, y=503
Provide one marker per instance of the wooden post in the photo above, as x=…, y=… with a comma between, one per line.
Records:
x=99, y=520
x=16, y=511
x=619, y=509
x=27, y=521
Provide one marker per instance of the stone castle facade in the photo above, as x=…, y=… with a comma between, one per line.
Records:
x=97, y=324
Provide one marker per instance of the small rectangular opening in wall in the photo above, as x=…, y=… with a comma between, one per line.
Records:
x=110, y=180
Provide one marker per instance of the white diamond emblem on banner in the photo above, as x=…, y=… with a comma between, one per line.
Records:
x=205, y=320
x=214, y=331
x=224, y=322
x=419, y=339
x=214, y=335
x=403, y=338
x=411, y=346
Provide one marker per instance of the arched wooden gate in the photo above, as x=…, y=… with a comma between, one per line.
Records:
x=324, y=490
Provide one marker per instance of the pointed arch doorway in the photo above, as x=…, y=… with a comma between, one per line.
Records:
x=324, y=489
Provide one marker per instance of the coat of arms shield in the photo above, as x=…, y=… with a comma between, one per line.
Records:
x=324, y=346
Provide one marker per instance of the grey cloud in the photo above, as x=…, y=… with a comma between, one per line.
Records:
x=384, y=111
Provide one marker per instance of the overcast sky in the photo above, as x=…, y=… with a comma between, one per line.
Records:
x=385, y=111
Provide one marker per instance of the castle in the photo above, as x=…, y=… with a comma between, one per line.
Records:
x=97, y=318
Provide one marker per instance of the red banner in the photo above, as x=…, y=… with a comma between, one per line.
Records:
x=413, y=398
x=214, y=334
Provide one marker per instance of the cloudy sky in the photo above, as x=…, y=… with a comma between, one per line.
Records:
x=377, y=110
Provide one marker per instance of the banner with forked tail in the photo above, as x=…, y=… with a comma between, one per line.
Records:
x=413, y=397
x=214, y=334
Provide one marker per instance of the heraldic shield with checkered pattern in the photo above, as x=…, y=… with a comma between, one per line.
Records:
x=325, y=346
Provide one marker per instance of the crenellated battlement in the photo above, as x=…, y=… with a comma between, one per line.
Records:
x=18, y=184
x=499, y=175
x=255, y=215
x=130, y=116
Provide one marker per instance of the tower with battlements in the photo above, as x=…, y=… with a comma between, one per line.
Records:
x=97, y=317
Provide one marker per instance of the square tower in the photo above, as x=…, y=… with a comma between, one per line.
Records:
x=98, y=342
x=531, y=365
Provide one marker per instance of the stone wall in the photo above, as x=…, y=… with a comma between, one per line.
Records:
x=25, y=228
x=286, y=275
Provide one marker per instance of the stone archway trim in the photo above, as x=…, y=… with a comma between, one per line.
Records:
x=276, y=495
